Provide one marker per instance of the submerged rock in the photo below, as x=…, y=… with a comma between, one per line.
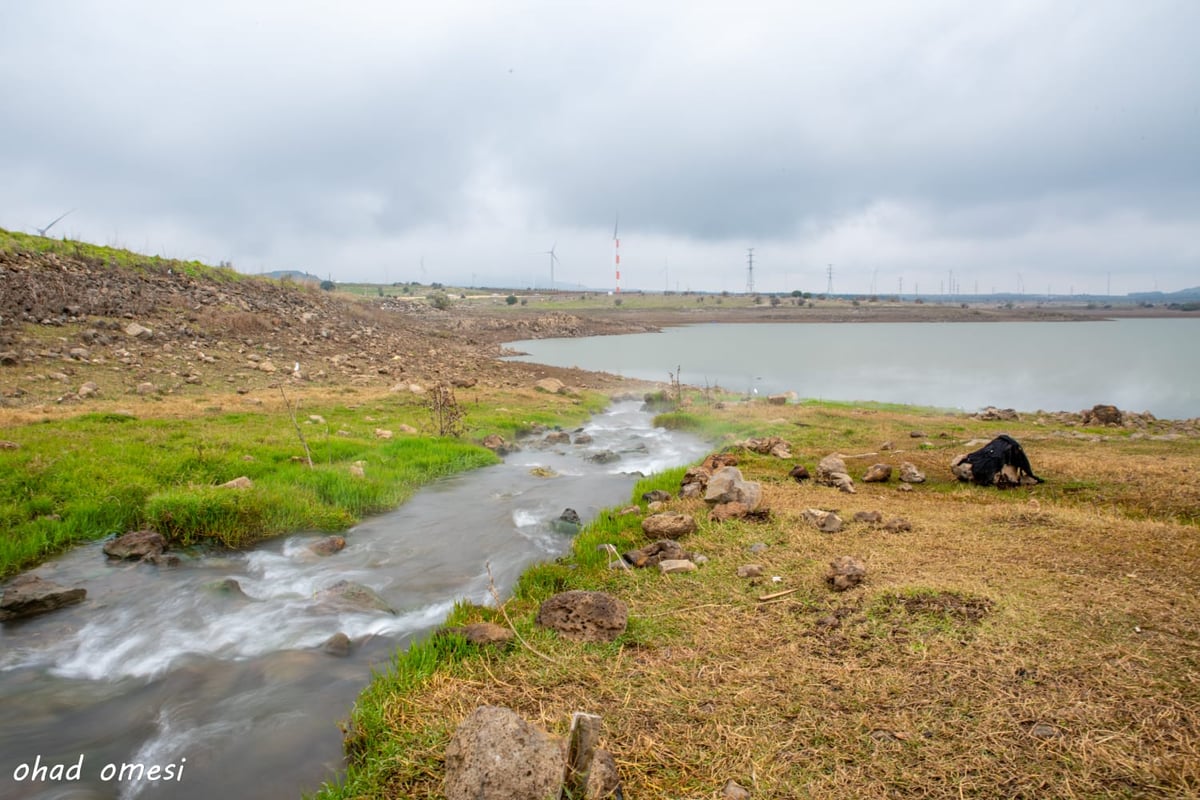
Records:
x=351, y=596
x=29, y=595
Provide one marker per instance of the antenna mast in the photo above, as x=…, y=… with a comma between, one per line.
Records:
x=749, y=270
x=617, y=252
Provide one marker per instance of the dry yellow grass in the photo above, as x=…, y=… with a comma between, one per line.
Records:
x=1033, y=643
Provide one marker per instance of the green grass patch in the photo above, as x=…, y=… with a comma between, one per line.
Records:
x=99, y=475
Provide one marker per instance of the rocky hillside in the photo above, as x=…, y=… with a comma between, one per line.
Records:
x=130, y=324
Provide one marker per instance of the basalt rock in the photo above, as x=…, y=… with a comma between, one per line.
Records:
x=136, y=545
x=845, y=572
x=832, y=472
x=668, y=526
x=910, y=474
x=878, y=473
x=29, y=595
x=653, y=554
x=483, y=633
x=328, y=546
x=584, y=616
x=825, y=521
x=351, y=596
x=727, y=485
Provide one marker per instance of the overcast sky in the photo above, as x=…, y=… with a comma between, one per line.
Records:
x=1048, y=145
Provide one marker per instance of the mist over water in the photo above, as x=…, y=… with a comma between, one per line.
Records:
x=1136, y=364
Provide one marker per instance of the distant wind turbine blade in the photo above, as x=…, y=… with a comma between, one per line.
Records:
x=42, y=231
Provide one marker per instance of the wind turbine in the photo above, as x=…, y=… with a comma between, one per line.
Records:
x=42, y=231
x=553, y=258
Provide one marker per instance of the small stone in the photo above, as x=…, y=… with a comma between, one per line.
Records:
x=757, y=547
x=799, y=473
x=825, y=521
x=878, y=473
x=734, y=791
x=845, y=572
x=750, y=571
x=898, y=525
x=668, y=526
x=910, y=474
x=1042, y=730
x=484, y=633
x=328, y=546
x=728, y=511
x=656, y=506
x=241, y=482
x=674, y=565
x=337, y=645
x=380, y=433
x=868, y=516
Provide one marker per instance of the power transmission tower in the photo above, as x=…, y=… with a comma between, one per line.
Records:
x=829, y=283
x=749, y=270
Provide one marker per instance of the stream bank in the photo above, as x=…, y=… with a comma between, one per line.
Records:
x=162, y=667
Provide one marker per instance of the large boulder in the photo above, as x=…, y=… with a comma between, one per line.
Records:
x=668, y=525
x=136, y=545
x=726, y=485
x=1102, y=415
x=584, y=616
x=29, y=595
x=496, y=755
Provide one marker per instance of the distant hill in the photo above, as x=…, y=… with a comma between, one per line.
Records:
x=1165, y=297
x=293, y=274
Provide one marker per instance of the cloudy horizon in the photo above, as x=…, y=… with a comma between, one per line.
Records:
x=1011, y=146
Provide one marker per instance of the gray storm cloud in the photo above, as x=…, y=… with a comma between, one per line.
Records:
x=894, y=141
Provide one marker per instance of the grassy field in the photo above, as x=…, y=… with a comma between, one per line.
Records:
x=98, y=474
x=1039, y=642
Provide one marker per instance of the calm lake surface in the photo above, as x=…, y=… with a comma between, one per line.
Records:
x=1136, y=364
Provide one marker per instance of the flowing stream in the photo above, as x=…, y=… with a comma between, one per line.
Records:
x=231, y=695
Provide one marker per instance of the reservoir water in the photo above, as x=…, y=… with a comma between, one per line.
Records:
x=1136, y=364
x=233, y=693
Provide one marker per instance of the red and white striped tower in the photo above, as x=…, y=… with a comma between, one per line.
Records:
x=617, y=253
